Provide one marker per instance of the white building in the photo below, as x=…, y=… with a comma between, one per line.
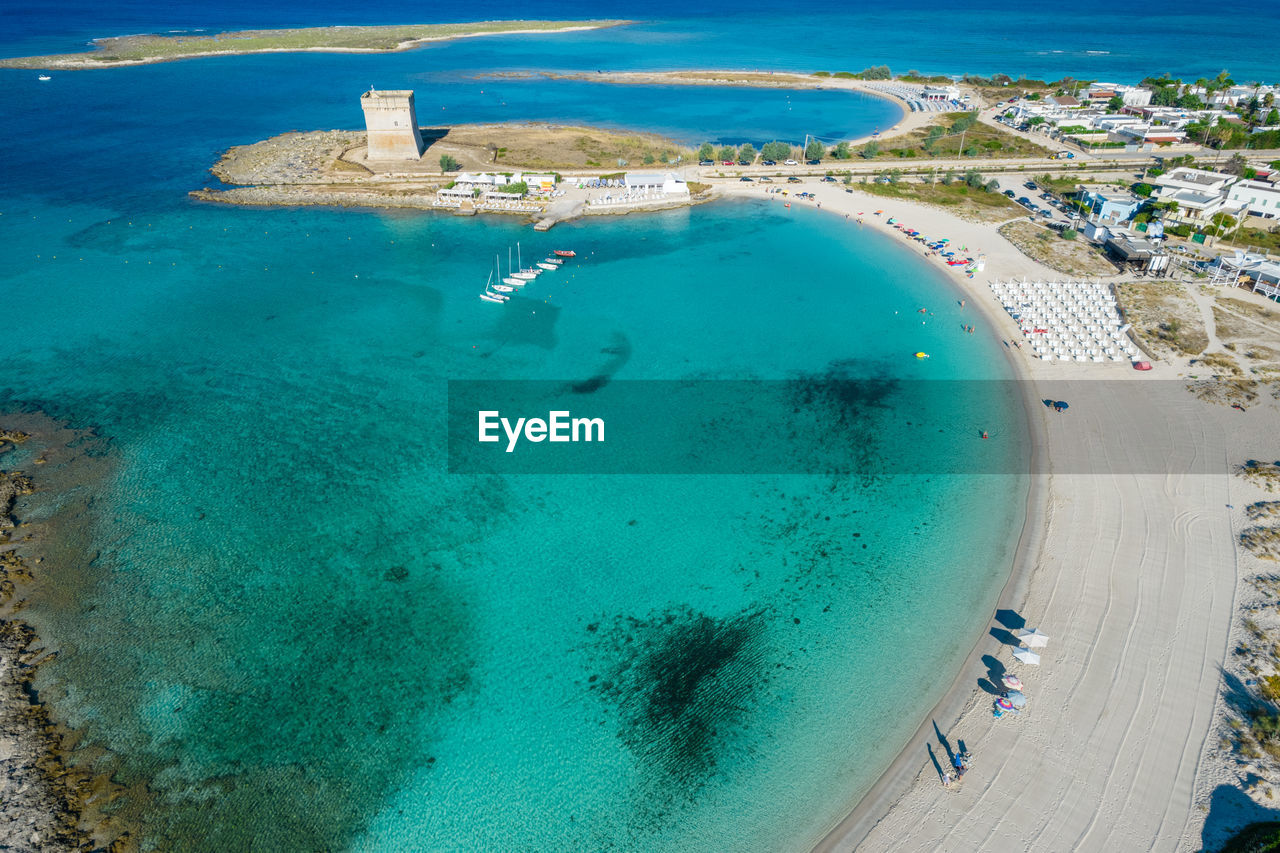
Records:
x=1199, y=194
x=667, y=183
x=1258, y=198
x=1133, y=96
x=940, y=93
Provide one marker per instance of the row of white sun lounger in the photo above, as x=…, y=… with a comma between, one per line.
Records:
x=914, y=96
x=1067, y=321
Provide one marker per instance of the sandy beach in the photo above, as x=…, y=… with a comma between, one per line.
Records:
x=1127, y=561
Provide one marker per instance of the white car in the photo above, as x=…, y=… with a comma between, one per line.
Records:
x=791, y=163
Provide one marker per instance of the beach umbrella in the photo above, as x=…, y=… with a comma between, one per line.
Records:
x=1033, y=639
x=1012, y=682
x=1027, y=656
x=1004, y=704
x=1016, y=698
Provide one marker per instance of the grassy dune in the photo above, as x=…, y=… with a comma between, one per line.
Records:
x=132, y=50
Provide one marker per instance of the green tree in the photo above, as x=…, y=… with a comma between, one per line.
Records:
x=1143, y=190
x=776, y=150
x=931, y=140
x=973, y=178
x=448, y=163
x=870, y=150
x=814, y=150
x=1068, y=234
x=841, y=151
x=648, y=159
x=1272, y=119
x=706, y=151
x=1116, y=104
x=747, y=154
x=727, y=152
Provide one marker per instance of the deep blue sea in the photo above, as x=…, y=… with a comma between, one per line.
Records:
x=299, y=631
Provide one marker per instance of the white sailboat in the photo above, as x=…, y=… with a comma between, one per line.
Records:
x=488, y=295
x=511, y=278
x=546, y=266
x=527, y=273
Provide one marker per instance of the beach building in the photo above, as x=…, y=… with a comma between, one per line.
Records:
x=392, y=125
x=1243, y=269
x=940, y=93
x=1258, y=198
x=667, y=184
x=1136, y=254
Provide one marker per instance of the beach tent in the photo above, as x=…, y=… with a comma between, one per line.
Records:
x=1027, y=656
x=1033, y=639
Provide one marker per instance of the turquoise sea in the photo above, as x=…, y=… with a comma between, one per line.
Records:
x=301, y=632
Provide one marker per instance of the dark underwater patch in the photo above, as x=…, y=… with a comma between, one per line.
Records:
x=682, y=683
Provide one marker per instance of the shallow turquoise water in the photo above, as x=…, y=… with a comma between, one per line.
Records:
x=304, y=633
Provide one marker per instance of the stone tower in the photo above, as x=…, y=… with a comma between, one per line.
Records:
x=392, y=125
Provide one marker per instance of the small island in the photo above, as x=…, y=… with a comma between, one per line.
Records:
x=144, y=49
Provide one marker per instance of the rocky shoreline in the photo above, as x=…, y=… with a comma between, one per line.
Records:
x=46, y=805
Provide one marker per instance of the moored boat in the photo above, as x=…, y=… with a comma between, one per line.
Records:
x=502, y=288
x=565, y=253
x=557, y=261
x=492, y=297
x=547, y=266
x=514, y=282
x=525, y=274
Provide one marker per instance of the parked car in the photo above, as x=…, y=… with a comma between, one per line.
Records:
x=829, y=179
x=1010, y=193
x=813, y=162
x=793, y=180
x=1031, y=185
x=1046, y=213
x=1024, y=201
x=791, y=163
x=766, y=180
x=706, y=162
x=768, y=163
x=726, y=163
x=744, y=178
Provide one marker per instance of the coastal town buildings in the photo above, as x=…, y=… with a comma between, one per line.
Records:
x=1257, y=198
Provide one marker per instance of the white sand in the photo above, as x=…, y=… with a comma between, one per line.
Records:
x=1132, y=575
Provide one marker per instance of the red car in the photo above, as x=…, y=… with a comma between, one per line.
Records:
x=726, y=163
x=1142, y=365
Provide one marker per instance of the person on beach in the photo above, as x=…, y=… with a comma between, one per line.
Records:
x=947, y=778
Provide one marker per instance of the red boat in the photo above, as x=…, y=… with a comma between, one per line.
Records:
x=565, y=253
